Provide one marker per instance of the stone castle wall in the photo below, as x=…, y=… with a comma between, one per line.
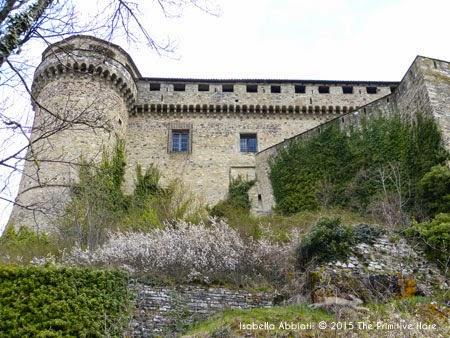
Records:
x=216, y=116
x=425, y=88
x=82, y=93
x=215, y=155
x=85, y=75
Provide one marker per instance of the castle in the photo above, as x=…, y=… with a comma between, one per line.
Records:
x=203, y=131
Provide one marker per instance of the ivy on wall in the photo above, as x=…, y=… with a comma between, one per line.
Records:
x=353, y=168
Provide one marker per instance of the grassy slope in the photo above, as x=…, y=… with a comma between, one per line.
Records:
x=228, y=322
x=279, y=227
x=414, y=310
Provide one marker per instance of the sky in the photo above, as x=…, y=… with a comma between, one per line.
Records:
x=285, y=39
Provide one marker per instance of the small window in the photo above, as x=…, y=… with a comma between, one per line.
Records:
x=393, y=88
x=179, y=87
x=299, y=89
x=324, y=90
x=203, y=87
x=347, y=89
x=155, y=87
x=248, y=143
x=371, y=90
x=180, y=141
x=275, y=89
x=252, y=88
x=227, y=88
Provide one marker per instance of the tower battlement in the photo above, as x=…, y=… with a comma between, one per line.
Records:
x=88, y=57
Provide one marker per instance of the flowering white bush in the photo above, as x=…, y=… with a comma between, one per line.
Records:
x=186, y=252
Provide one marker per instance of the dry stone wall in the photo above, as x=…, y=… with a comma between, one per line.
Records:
x=159, y=309
x=377, y=271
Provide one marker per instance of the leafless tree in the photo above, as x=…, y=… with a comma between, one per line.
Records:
x=395, y=193
x=46, y=21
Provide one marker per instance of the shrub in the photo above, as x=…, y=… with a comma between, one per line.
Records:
x=23, y=245
x=434, y=190
x=99, y=205
x=237, y=199
x=366, y=233
x=97, y=201
x=328, y=240
x=152, y=208
x=184, y=252
x=51, y=302
x=434, y=236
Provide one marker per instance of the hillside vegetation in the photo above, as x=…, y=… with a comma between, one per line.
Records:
x=335, y=191
x=388, y=167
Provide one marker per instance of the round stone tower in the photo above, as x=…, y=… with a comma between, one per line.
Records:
x=82, y=93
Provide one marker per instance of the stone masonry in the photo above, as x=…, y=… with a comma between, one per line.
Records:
x=86, y=77
x=425, y=88
x=159, y=309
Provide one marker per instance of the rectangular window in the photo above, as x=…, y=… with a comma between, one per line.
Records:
x=203, y=87
x=180, y=141
x=275, y=89
x=155, y=86
x=347, y=89
x=324, y=90
x=248, y=143
x=299, y=89
x=371, y=90
x=227, y=88
x=179, y=87
x=252, y=88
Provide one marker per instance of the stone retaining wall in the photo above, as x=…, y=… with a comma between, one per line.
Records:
x=161, y=309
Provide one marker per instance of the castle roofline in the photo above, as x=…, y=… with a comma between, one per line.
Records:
x=269, y=81
x=90, y=37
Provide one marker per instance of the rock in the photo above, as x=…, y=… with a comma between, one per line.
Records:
x=376, y=272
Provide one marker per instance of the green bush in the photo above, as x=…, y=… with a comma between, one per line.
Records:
x=351, y=168
x=366, y=233
x=97, y=201
x=434, y=236
x=328, y=240
x=434, y=190
x=51, y=302
x=237, y=200
x=99, y=205
x=23, y=245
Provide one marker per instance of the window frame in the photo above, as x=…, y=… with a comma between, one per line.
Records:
x=248, y=149
x=176, y=146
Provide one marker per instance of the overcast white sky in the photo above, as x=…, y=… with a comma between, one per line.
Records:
x=314, y=39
